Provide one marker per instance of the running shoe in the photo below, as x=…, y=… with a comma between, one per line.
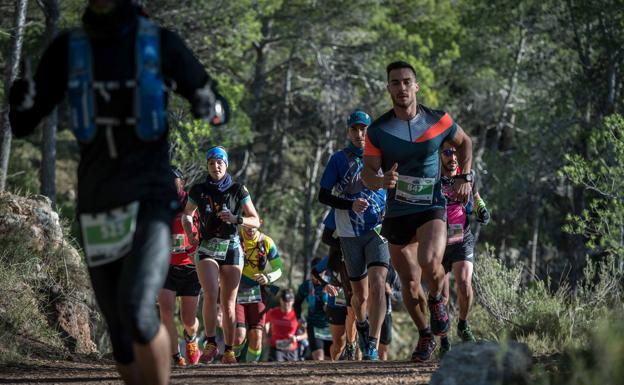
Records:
x=445, y=346
x=424, y=349
x=371, y=353
x=210, y=352
x=229, y=357
x=466, y=334
x=192, y=352
x=179, y=361
x=350, y=352
x=439, y=318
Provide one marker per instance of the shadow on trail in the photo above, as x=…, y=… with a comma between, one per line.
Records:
x=306, y=373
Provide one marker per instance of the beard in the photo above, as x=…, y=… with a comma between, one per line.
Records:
x=403, y=103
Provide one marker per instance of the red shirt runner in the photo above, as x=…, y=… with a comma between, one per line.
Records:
x=181, y=250
x=283, y=327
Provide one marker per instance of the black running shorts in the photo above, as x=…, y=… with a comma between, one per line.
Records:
x=401, y=230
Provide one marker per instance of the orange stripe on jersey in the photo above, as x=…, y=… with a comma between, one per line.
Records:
x=370, y=149
x=442, y=125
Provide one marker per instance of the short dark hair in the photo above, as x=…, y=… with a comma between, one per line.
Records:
x=395, y=65
x=315, y=260
x=287, y=294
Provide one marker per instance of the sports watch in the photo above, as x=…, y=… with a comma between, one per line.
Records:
x=467, y=177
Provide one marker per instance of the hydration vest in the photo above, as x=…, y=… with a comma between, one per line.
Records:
x=262, y=252
x=149, y=117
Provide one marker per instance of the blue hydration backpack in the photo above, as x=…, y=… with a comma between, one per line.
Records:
x=149, y=92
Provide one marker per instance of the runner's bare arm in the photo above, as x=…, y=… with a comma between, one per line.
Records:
x=187, y=221
x=369, y=172
x=371, y=177
x=250, y=215
x=462, y=142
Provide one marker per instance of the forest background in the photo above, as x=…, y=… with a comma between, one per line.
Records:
x=537, y=85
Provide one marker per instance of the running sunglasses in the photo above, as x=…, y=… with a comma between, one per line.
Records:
x=448, y=152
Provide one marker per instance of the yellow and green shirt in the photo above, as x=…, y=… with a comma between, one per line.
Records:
x=261, y=256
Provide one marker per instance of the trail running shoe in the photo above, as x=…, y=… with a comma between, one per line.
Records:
x=229, y=357
x=210, y=352
x=350, y=352
x=192, y=352
x=179, y=361
x=438, y=316
x=371, y=353
x=424, y=349
x=445, y=346
x=466, y=334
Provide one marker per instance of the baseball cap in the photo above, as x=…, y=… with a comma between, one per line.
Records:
x=359, y=117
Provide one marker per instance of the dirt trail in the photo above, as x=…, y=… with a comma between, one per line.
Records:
x=308, y=373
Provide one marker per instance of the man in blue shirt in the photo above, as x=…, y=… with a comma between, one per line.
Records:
x=405, y=141
x=358, y=213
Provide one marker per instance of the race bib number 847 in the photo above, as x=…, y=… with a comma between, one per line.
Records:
x=415, y=191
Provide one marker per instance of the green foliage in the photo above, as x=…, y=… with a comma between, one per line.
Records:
x=21, y=317
x=548, y=319
x=597, y=362
x=601, y=174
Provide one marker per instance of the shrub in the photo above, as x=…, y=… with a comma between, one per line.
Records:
x=547, y=319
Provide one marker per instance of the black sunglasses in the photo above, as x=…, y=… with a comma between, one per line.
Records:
x=448, y=152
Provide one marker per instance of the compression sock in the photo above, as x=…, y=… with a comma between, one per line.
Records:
x=253, y=355
x=462, y=324
x=426, y=332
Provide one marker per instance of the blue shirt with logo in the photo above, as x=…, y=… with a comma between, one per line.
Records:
x=343, y=175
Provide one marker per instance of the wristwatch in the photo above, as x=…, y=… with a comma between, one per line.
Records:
x=467, y=177
x=239, y=220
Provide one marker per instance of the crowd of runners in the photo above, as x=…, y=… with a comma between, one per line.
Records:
x=400, y=196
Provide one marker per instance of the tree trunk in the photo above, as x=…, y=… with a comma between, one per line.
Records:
x=293, y=251
x=10, y=75
x=534, y=241
x=309, y=233
x=47, y=175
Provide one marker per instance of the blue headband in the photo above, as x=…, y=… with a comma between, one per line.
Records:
x=217, y=153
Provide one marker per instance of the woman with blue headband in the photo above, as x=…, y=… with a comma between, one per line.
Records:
x=222, y=206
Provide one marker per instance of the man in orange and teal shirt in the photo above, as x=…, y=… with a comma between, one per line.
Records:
x=262, y=267
x=405, y=141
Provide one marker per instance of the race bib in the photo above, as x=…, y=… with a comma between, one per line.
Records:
x=107, y=236
x=323, y=333
x=415, y=191
x=285, y=344
x=340, y=299
x=215, y=247
x=249, y=295
x=456, y=217
x=455, y=233
x=177, y=243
